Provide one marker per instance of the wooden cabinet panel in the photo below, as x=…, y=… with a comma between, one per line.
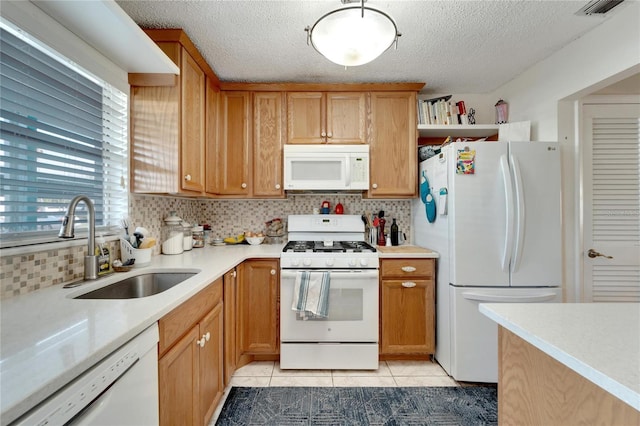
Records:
x=179, y=380
x=393, y=145
x=230, y=355
x=212, y=98
x=407, y=317
x=407, y=306
x=192, y=118
x=346, y=118
x=211, y=363
x=319, y=117
x=234, y=144
x=268, y=137
x=258, y=289
x=167, y=130
x=306, y=117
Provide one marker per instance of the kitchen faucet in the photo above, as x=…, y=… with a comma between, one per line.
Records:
x=66, y=231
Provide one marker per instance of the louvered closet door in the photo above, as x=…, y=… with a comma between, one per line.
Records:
x=611, y=180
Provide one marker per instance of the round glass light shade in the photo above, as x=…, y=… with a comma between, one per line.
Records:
x=348, y=38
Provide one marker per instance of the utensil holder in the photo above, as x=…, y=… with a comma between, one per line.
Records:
x=142, y=256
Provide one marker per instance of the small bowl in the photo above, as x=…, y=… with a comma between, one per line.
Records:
x=254, y=240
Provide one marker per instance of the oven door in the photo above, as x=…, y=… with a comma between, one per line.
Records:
x=352, y=314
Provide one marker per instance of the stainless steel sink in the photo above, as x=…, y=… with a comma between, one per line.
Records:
x=139, y=286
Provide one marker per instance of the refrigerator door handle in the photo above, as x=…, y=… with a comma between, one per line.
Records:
x=479, y=297
x=520, y=213
x=508, y=195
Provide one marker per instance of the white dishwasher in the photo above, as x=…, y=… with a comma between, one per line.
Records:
x=122, y=389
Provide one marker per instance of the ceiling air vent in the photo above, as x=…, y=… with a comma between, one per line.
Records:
x=598, y=7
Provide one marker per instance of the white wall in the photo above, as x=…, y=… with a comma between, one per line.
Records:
x=547, y=93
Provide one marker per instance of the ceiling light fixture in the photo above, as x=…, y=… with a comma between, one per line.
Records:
x=353, y=35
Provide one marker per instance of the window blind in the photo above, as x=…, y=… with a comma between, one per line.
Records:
x=63, y=132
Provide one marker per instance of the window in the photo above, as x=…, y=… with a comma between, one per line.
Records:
x=63, y=132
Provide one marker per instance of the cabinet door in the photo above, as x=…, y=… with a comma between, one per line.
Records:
x=230, y=357
x=258, y=288
x=212, y=98
x=192, y=130
x=346, y=117
x=407, y=317
x=306, y=117
x=179, y=381
x=234, y=149
x=393, y=145
x=267, y=144
x=211, y=363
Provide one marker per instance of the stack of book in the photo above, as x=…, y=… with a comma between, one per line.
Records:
x=442, y=111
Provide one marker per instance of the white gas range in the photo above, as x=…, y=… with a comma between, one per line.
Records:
x=328, y=250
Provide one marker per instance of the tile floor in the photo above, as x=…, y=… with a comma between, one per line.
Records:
x=389, y=374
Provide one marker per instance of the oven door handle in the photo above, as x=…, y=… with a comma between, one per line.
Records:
x=335, y=274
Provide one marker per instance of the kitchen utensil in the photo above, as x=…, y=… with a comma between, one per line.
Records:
x=125, y=224
x=139, y=238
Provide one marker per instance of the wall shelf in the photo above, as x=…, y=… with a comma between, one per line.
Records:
x=457, y=130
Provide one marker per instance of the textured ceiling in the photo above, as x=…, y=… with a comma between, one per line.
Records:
x=452, y=46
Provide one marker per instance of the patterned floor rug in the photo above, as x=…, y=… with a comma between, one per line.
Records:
x=473, y=405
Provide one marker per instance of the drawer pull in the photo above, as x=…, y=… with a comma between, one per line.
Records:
x=408, y=284
x=408, y=268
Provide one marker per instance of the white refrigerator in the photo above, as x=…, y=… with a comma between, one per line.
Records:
x=492, y=210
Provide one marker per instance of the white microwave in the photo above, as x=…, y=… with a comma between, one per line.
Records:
x=326, y=167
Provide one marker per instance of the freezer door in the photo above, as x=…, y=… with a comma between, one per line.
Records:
x=478, y=226
x=536, y=257
x=474, y=337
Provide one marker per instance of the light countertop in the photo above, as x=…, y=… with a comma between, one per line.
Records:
x=599, y=341
x=48, y=338
x=406, y=251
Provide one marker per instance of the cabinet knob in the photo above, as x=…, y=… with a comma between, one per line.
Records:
x=201, y=342
x=234, y=273
x=408, y=269
x=374, y=186
x=408, y=284
x=273, y=272
x=244, y=185
x=329, y=135
x=277, y=186
x=323, y=134
x=187, y=178
x=207, y=336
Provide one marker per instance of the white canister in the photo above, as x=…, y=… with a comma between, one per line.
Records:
x=172, y=235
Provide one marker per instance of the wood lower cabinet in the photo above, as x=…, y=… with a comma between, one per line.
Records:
x=257, y=307
x=326, y=117
x=393, y=145
x=407, y=307
x=190, y=364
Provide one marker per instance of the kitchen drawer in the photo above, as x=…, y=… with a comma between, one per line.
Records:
x=177, y=322
x=406, y=267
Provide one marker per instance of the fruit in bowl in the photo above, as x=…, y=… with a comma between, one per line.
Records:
x=254, y=238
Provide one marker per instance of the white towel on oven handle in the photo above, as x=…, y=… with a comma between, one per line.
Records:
x=311, y=294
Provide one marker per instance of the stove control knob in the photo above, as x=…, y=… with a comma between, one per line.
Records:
x=306, y=262
x=352, y=262
x=364, y=262
x=295, y=262
x=329, y=262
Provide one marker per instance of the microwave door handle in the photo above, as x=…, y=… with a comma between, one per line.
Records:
x=348, y=172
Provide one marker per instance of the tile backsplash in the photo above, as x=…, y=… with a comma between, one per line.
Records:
x=23, y=273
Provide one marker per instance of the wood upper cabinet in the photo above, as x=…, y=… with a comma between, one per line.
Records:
x=257, y=302
x=393, y=145
x=212, y=99
x=268, y=136
x=233, y=152
x=326, y=117
x=190, y=364
x=167, y=130
x=407, y=306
